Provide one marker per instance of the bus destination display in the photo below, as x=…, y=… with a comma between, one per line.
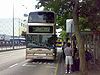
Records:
x=40, y=29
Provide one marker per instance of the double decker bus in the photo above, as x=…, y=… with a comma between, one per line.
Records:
x=41, y=35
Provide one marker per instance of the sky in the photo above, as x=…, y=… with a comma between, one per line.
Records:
x=20, y=7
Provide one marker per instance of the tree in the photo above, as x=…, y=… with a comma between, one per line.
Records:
x=63, y=35
x=83, y=69
x=89, y=10
x=23, y=33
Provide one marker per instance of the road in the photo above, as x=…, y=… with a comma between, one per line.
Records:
x=14, y=63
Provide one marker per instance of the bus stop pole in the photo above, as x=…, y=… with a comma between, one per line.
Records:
x=71, y=35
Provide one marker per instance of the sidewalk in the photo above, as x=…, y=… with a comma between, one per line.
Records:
x=94, y=69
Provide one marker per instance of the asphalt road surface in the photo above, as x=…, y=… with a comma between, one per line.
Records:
x=14, y=63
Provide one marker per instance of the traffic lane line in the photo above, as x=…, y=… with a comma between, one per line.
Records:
x=13, y=65
x=17, y=64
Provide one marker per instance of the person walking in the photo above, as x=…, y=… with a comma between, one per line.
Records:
x=68, y=58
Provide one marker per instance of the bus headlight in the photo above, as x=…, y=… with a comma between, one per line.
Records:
x=53, y=53
x=49, y=54
x=51, y=49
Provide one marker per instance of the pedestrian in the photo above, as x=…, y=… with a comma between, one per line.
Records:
x=68, y=58
x=76, y=60
x=88, y=55
x=63, y=50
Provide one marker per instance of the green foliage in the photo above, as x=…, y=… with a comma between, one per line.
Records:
x=90, y=10
x=83, y=23
x=23, y=34
x=63, y=35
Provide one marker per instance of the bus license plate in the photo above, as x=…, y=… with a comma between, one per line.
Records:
x=39, y=57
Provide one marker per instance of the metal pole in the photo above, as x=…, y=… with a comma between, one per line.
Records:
x=19, y=32
x=13, y=24
x=19, y=27
x=71, y=35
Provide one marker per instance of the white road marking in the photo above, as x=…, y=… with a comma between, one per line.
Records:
x=52, y=64
x=37, y=62
x=44, y=62
x=26, y=64
x=13, y=65
x=33, y=62
x=50, y=67
x=40, y=62
x=48, y=63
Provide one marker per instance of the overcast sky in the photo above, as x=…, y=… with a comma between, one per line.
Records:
x=6, y=14
x=20, y=7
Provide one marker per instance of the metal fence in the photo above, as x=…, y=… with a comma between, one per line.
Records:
x=6, y=33
x=8, y=45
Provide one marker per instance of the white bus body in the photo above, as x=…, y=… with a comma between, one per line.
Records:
x=40, y=31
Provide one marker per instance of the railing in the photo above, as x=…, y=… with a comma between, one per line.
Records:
x=8, y=45
x=10, y=48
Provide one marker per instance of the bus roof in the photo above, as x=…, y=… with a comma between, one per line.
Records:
x=42, y=11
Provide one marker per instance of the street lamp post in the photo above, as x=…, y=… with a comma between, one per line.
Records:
x=13, y=24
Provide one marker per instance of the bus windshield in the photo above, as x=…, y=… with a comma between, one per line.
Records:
x=41, y=17
x=39, y=41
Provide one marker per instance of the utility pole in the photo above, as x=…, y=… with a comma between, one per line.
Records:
x=13, y=24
